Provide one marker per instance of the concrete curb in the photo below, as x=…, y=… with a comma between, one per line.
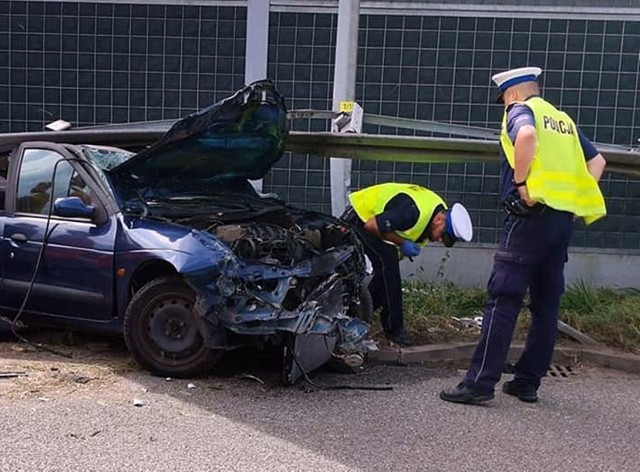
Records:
x=437, y=353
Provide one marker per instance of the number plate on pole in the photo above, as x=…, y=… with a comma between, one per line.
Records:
x=346, y=107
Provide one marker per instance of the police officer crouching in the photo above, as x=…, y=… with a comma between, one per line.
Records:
x=394, y=221
x=549, y=176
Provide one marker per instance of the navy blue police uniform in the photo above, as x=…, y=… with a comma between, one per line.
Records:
x=400, y=214
x=531, y=254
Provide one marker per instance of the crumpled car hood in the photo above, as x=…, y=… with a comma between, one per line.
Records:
x=240, y=137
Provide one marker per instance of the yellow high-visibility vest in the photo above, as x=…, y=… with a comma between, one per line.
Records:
x=558, y=176
x=371, y=201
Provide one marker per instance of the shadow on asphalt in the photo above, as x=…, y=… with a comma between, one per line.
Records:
x=246, y=388
x=261, y=368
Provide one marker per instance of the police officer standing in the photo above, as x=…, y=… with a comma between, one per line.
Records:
x=549, y=176
x=395, y=220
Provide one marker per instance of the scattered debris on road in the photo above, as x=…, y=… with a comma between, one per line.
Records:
x=46, y=375
x=12, y=375
x=251, y=377
x=475, y=322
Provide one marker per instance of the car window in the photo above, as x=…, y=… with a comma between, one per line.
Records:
x=79, y=188
x=4, y=166
x=3, y=189
x=36, y=181
x=4, y=170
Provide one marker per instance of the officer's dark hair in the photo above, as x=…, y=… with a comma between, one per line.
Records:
x=447, y=239
x=425, y=234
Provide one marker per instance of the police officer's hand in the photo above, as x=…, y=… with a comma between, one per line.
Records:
x=524, y=196
x=410, y=249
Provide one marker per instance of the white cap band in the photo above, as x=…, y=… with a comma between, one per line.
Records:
x=512, y=77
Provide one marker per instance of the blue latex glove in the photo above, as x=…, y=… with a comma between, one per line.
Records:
x=410, y=249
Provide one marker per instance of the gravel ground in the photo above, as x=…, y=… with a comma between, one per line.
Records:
x=78, y=415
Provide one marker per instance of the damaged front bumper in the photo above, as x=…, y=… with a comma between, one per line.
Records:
x=303, y=307
x=323, y=332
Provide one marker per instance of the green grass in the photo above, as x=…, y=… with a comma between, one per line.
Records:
x=429, y=310
x=610, y=316
x=607, y=315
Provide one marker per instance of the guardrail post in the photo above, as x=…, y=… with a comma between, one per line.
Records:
x=256, y=48
x=344, y=88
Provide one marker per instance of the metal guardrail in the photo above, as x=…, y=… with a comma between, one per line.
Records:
x=404, y=123
x=483, y=147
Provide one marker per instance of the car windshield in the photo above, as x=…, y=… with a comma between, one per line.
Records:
x=106, y=158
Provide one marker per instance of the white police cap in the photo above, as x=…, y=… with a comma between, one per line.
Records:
x=512, y=77
x=458, y=224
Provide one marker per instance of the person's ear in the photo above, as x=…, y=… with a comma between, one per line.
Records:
x=437, y=225
x=509, y=96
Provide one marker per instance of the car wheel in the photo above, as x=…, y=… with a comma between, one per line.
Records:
x=364, y=310
x=161, y=330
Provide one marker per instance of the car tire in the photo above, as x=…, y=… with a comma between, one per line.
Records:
x=364, y=310
x=162, y=330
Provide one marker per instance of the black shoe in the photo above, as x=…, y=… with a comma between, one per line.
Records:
x=401, y=339
x=463, y=394
x=524, y=391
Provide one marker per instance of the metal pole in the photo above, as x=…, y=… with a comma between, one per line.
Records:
x=256, y=48
x=344, y=89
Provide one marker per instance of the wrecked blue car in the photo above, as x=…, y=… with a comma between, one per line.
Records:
x=173, y=248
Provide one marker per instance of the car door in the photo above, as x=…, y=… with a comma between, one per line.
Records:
x=71, y=274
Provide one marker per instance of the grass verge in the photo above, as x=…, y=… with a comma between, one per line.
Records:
x=442, y=312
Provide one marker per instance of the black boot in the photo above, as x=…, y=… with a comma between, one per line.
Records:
x=524, y=391
x=463, y=394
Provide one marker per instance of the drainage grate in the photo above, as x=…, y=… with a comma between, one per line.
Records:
x=555, y=370
x=559, y=371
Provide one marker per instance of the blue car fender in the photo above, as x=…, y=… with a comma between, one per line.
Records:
x=145, y=246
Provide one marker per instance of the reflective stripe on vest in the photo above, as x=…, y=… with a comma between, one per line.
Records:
x=371, y=201
x=558, y=176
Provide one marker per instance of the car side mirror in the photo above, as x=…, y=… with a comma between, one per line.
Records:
x=72, y=207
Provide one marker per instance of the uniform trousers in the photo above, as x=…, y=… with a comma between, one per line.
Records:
x=531, y=255
x=386, y=285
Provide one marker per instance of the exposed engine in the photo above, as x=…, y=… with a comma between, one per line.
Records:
x=268, y=243
x=268, y=232
x=272, y=233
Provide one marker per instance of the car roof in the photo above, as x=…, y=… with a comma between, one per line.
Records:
x=132, y=137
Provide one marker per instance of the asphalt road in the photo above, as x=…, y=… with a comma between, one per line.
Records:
x=78, y=415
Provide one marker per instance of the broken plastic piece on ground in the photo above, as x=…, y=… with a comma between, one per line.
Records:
x=353, y=361
x=347, y=363
x=469, y=322
x=370, y=345
x=11, y=375
x=251, y=377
